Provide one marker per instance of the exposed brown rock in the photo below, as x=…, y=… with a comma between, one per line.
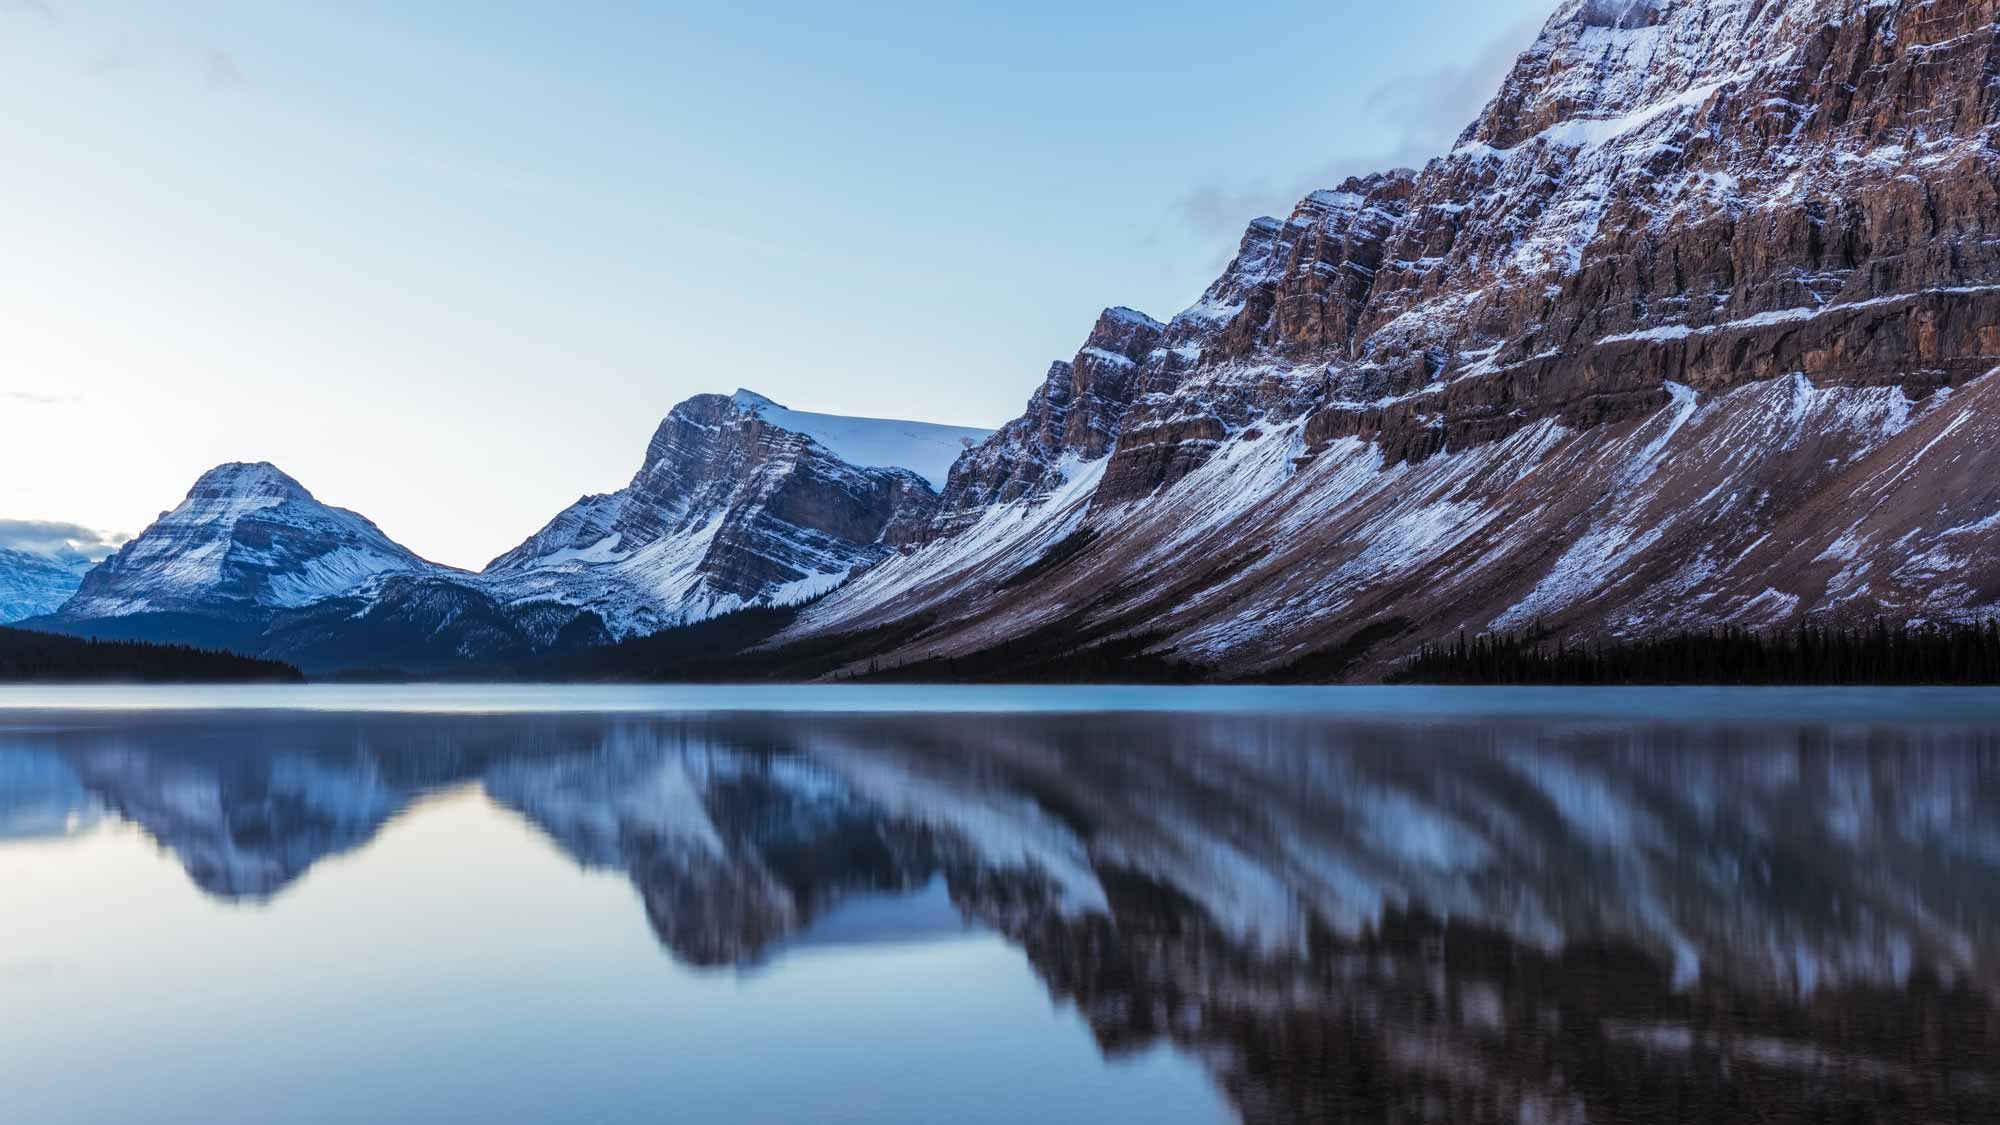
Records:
x=1680, y=306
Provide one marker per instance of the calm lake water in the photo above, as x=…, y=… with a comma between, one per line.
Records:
x=923, y=905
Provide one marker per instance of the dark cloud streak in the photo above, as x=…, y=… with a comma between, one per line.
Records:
x=57, y=540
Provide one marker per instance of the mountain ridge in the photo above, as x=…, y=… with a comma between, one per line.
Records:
x=1726, y=261
x=1691, y=328
x=740, y=501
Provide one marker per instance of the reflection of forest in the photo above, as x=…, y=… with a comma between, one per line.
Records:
x=1343, y=921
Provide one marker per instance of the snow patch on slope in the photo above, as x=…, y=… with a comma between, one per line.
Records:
x=1006, y=538
x=925, y=448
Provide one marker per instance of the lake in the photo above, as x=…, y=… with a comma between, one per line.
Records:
x=893, y=904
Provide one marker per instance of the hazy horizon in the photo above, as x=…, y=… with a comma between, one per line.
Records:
x=448, y=267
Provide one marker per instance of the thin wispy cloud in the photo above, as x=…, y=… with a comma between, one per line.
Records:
x=38, y=398
x=1433, y=108
x=107, y=56
x=220, y=69
x=1425, y=113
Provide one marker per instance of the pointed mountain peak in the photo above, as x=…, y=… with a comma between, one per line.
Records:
x=247, y=540
x=258, y=479
x=751, y=400
x=1119, y=314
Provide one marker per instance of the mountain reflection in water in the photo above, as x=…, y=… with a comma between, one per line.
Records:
x=1341, y=920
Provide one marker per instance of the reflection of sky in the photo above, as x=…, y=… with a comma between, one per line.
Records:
x=459, y=969
x=925, y=915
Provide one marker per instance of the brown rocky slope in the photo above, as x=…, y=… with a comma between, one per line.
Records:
x=1693, y=326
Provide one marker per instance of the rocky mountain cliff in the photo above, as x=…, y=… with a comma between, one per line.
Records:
x=740, y=501
x=1692, y=326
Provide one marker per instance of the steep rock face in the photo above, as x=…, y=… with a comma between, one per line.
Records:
x=1294, y=290
x=246, y=542
x=739, y=501
x=1713, y=193
x=32, y=584
x=1075, y=415
x=1707, y=282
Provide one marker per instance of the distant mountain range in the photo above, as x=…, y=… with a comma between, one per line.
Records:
x=1694, y=326
x=739, y=501
x=33, y=583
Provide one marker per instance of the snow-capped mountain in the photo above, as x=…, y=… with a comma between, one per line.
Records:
x=33, y=583
x=248, y=540
x=251, y=562
x=740, y=501
x=1693, y=326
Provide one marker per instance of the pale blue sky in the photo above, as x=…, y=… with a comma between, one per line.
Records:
x=449, y=262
